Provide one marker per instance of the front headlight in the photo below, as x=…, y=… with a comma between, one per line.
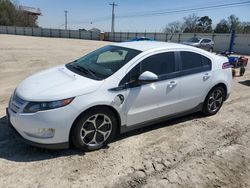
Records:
x=33, y=107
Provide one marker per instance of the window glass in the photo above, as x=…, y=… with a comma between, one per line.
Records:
x=133, y=75
x=193, y=60
x=193, y=39
x=103, y=62
x=206, y=41
x=159, y=64
x=111, y=56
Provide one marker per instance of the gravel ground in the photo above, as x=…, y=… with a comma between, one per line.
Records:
x=192, y=151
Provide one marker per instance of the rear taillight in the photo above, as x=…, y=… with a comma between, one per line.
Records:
x=226, y=65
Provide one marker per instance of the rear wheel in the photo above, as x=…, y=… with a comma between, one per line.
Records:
x=94, y=129
x=214, y=101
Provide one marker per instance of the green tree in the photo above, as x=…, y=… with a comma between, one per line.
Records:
x=11, y=16
x=204, y=25
x=7, y=13
x=190, y=24
x=233, y=22
x=173, y=27
x=222, y=27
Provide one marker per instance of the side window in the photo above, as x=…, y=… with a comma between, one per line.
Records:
x=159, y=64
x=133, y=75
x=192, y=60
x=206, y=41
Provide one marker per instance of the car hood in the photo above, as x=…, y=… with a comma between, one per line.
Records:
x=55, y=84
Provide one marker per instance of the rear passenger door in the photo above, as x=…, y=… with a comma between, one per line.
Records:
x=195, y=79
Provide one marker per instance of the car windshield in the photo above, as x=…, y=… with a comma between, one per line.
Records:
x=194, y=39
x=102, y=62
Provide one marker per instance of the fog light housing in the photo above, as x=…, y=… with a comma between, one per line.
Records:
x=42, y=133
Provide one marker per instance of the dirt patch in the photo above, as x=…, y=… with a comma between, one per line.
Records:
x=192, y=151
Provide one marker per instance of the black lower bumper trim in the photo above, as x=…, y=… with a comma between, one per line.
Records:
x=63, y=145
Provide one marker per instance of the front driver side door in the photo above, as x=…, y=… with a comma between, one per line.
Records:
x=149, y=101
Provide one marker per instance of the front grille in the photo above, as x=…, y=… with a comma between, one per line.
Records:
x=16, y=103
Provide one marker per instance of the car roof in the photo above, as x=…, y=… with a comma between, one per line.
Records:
x=148, y=45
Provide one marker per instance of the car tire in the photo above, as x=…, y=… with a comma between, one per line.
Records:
x=94, y=129
x=214, y=100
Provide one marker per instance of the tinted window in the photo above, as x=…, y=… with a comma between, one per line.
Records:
x=206, y=41
x=133, y=75
x=193, y=60
x=103, y=62
x=159, y=64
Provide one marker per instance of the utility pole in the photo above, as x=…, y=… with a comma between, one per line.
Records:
x=113, y=17
x=66, y=19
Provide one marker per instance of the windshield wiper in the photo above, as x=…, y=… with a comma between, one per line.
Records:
x=83, y=69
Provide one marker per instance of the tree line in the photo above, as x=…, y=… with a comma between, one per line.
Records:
x=11, y=15
x=195, y=24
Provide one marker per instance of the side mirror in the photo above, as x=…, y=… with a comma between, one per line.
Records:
x=148, y=76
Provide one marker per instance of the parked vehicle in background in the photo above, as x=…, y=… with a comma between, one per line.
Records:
x=204, y=43
x=114, y=89
x=141, y=39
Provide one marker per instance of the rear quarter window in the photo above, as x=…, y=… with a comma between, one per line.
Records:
x=191, y=60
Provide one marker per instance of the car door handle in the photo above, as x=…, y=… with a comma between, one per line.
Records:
x=172, y=84
x=206, y=76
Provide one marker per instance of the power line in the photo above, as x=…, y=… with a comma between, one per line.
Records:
x=113, y=17
x=166, y=12
x=185, y=10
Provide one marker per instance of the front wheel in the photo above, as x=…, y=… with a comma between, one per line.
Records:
x=214, y=101
x=94, y=129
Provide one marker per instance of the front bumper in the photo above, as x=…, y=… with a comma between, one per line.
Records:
x=61, y=120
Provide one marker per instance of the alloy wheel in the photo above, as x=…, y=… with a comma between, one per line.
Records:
x=96, y=130
x=215, y=100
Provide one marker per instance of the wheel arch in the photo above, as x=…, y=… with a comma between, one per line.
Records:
x=224, y=86
x=93, y=107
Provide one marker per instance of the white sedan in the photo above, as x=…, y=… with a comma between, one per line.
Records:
x=115, y=89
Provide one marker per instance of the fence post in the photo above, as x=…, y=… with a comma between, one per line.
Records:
x=41, y=32
x=127, y=35
x=155, y=35
x=106, y=36
x=91, y=35
x=32, y=32
x=69, y=33
x=166, y=39
x=15, y=30
x=120, y=36
x=179, y=38
x=79, y=34
x=213, y=35
x=50, y=32
x=24, y=33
